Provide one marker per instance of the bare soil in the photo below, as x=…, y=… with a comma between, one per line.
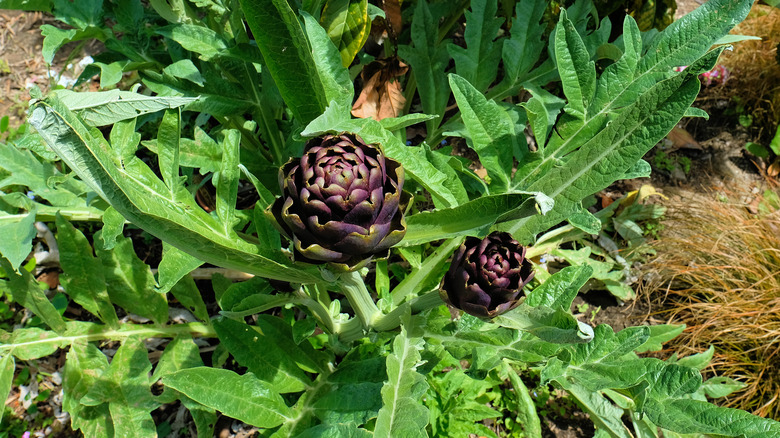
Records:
x=21, y=62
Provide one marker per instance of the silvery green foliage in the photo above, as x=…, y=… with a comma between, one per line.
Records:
x=237, y=109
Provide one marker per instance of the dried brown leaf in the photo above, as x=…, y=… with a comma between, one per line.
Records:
x=382, y=96
x=681, y=139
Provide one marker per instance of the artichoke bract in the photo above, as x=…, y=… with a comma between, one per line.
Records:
x=487, y=276
x=341, y=201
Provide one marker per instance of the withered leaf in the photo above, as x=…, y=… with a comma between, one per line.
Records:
x=382, y=96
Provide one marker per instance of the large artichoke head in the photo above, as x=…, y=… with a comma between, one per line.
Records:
x=487, y=276
x=341, y=202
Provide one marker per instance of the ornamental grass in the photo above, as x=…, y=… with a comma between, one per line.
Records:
x=718, y=271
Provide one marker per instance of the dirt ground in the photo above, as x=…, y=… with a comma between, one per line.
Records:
x=21, y=62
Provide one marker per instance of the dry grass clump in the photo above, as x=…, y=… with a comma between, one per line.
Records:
x=755, y=73
x=718, y=271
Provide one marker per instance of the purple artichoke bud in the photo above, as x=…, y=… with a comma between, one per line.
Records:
x=487, y=275
x=341, y=201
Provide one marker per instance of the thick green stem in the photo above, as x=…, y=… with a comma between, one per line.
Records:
x=314, y=303
x=349, y=331
x=392, y=320
x=90, y=332
x=526, y=410
x=414, y=281
x=354, y=288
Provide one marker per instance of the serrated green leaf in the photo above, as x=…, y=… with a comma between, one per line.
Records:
x=199, y=152
x=227, y=181
x=26, y=5
x=452, y=413
x=82, y=14
x=607, y=345
x=82, y=276
x=130, y=281
x=26, y=291
x=244, y=397
x=108, y=107
x=22, y=227
x=26, y=170
x=350, y=403
x=578, y=72
x=526, y=413
x=84, y=365
x=187, y=293
x=682, y=43
x=168, y=134
x=559, y=290
x=585, y=221
x=593, y=166
x=697, y=361
x=550, y=325
x=198, y=39
x=131, y=404
x=428, y=61
x=185, y=69
x=720, y=386
x=336, y=82
x=287, y=55
x=450, y=166
x=181, y=353
x=697, y=112
x=264, y=354
x=31, y=343
x=490, y=131
x=113, y=225
x=658, y=335
x=7, y=367
x=686, y=39
x=542, y=110
x=402, y=413
x=110, y=74
x=53, y=39
x=335, y=431
x=524, y=47
x=133, y=189
x=693, y=416
x=348, y=25
x=395, y=123
x=472, y=218
x=478, y=62
x=175, y=264
x=461, y=341
x=603, y=413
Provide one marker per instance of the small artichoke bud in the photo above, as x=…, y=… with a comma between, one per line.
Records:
x=487, y=276
x=341, y=202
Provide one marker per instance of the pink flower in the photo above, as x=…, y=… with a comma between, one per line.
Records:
x=716, y=76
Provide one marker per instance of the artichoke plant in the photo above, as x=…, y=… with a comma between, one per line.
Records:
x=487, y=276
x=341, y=202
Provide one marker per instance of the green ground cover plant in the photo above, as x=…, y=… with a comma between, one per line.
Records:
x=342, y=330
